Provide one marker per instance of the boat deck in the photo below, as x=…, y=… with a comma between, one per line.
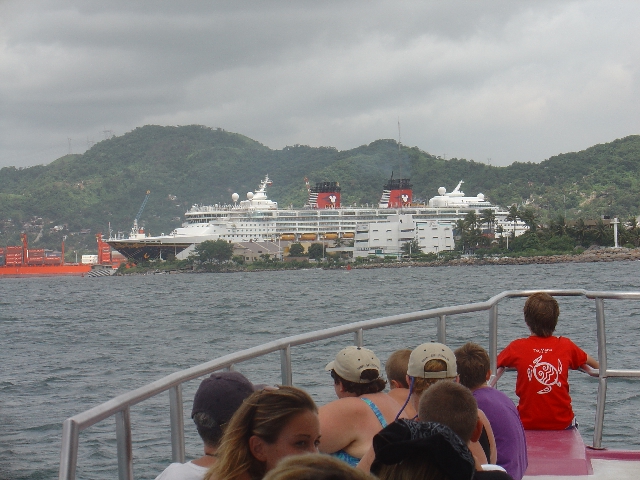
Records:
x=563, y=455
x=602, y=470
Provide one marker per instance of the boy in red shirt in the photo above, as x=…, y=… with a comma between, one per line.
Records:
x=543, y=362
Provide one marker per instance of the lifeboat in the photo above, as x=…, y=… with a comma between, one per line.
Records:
x=348, y=235
x=330, y=236
x=308, y=236
x=287, y=236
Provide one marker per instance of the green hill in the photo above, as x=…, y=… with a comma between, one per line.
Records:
x=195, y=164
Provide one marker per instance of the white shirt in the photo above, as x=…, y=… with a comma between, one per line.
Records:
x=183, y=471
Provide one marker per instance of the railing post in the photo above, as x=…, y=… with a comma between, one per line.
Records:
x=124, y=444
x=493, y=338
x=69, y=452
x=177, y=424
x=602, y=377
x=357, y=338
x=285, y=366
x=442, y=329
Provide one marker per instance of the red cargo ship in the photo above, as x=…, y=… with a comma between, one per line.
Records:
x=21, y=261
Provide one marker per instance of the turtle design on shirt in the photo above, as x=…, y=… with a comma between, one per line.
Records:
x=545, y=373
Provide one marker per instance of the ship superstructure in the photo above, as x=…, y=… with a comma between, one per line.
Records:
x=397, y=193
x=323, y=195
x=258, y=219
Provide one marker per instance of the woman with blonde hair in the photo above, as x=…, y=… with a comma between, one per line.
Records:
x=315, y=466
x=268, y=426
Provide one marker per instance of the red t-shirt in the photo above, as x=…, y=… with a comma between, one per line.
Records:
x=543, y=365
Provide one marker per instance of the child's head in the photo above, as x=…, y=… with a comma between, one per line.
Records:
x=450, y=404
x=429, y=363
x=396, y=368
x=541, y=313
x=473, y=365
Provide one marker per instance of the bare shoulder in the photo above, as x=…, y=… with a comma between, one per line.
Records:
x=400, y=395
x=342, y=406
x=381, y=398
x=339, y=423
x=387, y=404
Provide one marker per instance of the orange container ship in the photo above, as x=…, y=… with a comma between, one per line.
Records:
x=20, y=261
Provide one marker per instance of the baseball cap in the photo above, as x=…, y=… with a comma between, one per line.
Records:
x=221, y=394
x=350, y=362
x=433, y=442
x=431, y=351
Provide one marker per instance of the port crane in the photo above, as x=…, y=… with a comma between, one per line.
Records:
x=135, y=230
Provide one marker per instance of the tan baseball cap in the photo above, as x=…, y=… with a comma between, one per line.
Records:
x=351, y=361
x=431, y=351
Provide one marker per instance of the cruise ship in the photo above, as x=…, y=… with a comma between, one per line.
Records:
x=323, y=218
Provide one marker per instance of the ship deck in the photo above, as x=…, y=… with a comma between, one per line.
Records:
x=563, y=454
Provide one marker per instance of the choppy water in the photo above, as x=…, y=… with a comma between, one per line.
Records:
x=69, y=344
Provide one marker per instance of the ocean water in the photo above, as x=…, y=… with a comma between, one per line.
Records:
x=69, y=344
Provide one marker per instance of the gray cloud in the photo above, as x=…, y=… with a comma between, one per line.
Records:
x=510, y=81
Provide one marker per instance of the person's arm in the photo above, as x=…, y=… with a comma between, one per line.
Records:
x=504, y=358
x=592, y=362
x=338, y=424
x=367, y=460
x=492, y=440
x=579, y=360
x=478, y=454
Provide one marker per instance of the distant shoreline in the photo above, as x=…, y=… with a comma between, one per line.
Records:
x=608, y=254
x=589, y=256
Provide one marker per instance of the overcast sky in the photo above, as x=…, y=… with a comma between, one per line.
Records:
x=502, y=80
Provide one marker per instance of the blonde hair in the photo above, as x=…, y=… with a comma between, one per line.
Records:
x=396, y=366
x=315, y=466
x=263, y=414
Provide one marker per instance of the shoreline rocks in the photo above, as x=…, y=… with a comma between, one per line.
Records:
x=593, y=254
x=588, y=256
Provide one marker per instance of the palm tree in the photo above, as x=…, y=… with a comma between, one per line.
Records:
x=471, y=219
x=512, y=216
x=411, y=248
x=558, y=226
x=580, y=230
x=500, y=230
x=489, y=217
x=528, y=216
x=473, y=232
x=602, y=232
x=461, y=230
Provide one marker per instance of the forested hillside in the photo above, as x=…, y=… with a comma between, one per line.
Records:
x=195, y=164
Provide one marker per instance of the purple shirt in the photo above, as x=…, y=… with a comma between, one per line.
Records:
x=507, y=429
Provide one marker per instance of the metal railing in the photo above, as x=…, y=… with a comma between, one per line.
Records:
x=120, y=405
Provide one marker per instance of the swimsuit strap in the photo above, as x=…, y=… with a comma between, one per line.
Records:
x=345, y=457
x=377, y=411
